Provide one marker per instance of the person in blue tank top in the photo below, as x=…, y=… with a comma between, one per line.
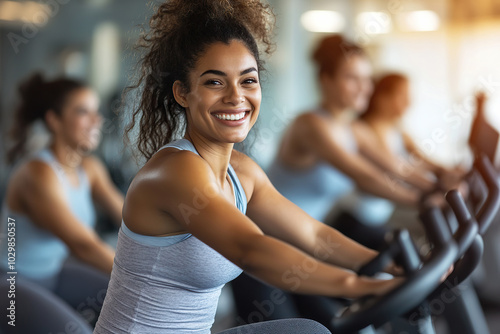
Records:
x=199, y=212
x=50, y=202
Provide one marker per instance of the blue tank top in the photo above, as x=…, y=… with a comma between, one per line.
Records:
x=314, y=189
x=39, y=253
x=167, y=284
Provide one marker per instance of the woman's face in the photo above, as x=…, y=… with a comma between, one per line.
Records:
x=350, y=87
x=80, y=122
x=224, y=98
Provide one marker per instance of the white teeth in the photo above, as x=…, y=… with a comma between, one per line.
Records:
x=230, y=117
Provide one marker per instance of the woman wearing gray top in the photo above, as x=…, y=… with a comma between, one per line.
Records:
x=198, y=210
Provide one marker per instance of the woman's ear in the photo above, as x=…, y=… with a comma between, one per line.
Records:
x=52, y=120
x=179, y=93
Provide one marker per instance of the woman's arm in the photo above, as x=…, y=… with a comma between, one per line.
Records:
x=46, y=205
x=425, y=163
x=104, y=192
x=377, y=152
x=276, y=216
x=318, y=138
x=213, y=219
x=448, y=178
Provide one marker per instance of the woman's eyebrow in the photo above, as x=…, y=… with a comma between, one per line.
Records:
x=248, y=70
x=223, y=74
x=214, y=72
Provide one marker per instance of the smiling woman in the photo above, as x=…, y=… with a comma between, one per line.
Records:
x=172, y=50
x=199, y=212
x=224, y=100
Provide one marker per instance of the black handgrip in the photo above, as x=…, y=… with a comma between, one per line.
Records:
x=416, y=287
x=408, y=257
x=468, y=227
x=463, y=268
x=400, y=249
x=407, y=296
x=490, y=208
x=468, y=263
x=382, y=260
x=436, y=226
x=458, y=205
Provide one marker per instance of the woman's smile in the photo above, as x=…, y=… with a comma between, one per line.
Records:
x=234, y=117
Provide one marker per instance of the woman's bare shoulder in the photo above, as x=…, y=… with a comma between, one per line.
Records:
x=33, y=176
x=34, y=172
x=171, y=165
x=243, y=164
x=166, y=177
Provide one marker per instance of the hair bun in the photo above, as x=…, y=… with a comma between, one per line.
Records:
x=257, y=17
x=32, y=87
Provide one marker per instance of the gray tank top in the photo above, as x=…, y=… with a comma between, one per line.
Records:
x=166, y=284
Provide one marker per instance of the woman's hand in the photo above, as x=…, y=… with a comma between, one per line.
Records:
x=434, y=199
x=450, y=178
x=387, y=286
x=394, y=270
x=448, y=273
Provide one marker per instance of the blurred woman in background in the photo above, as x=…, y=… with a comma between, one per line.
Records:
x=385, y=143
x=50, y=198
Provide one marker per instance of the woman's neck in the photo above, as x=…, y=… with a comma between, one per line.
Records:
x=336, y=112
x=68, y=157
x=217, y=155
x=381, y=124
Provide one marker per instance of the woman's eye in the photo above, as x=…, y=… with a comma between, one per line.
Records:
x=213, y=83
x=81, y=111
x=250, y=81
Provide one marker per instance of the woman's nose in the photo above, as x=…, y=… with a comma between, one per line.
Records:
x=234, y=96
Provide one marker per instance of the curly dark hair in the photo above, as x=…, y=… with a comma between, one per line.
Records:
x=180, y=32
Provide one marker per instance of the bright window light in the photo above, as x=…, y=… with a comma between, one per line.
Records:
x=373, y=23
x=421, y=20
x=322, y=21
x=10, y=10
x=28, y=11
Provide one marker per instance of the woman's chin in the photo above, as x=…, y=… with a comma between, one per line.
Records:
x=235, y=140
x=87, y=147
x=235, y=137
